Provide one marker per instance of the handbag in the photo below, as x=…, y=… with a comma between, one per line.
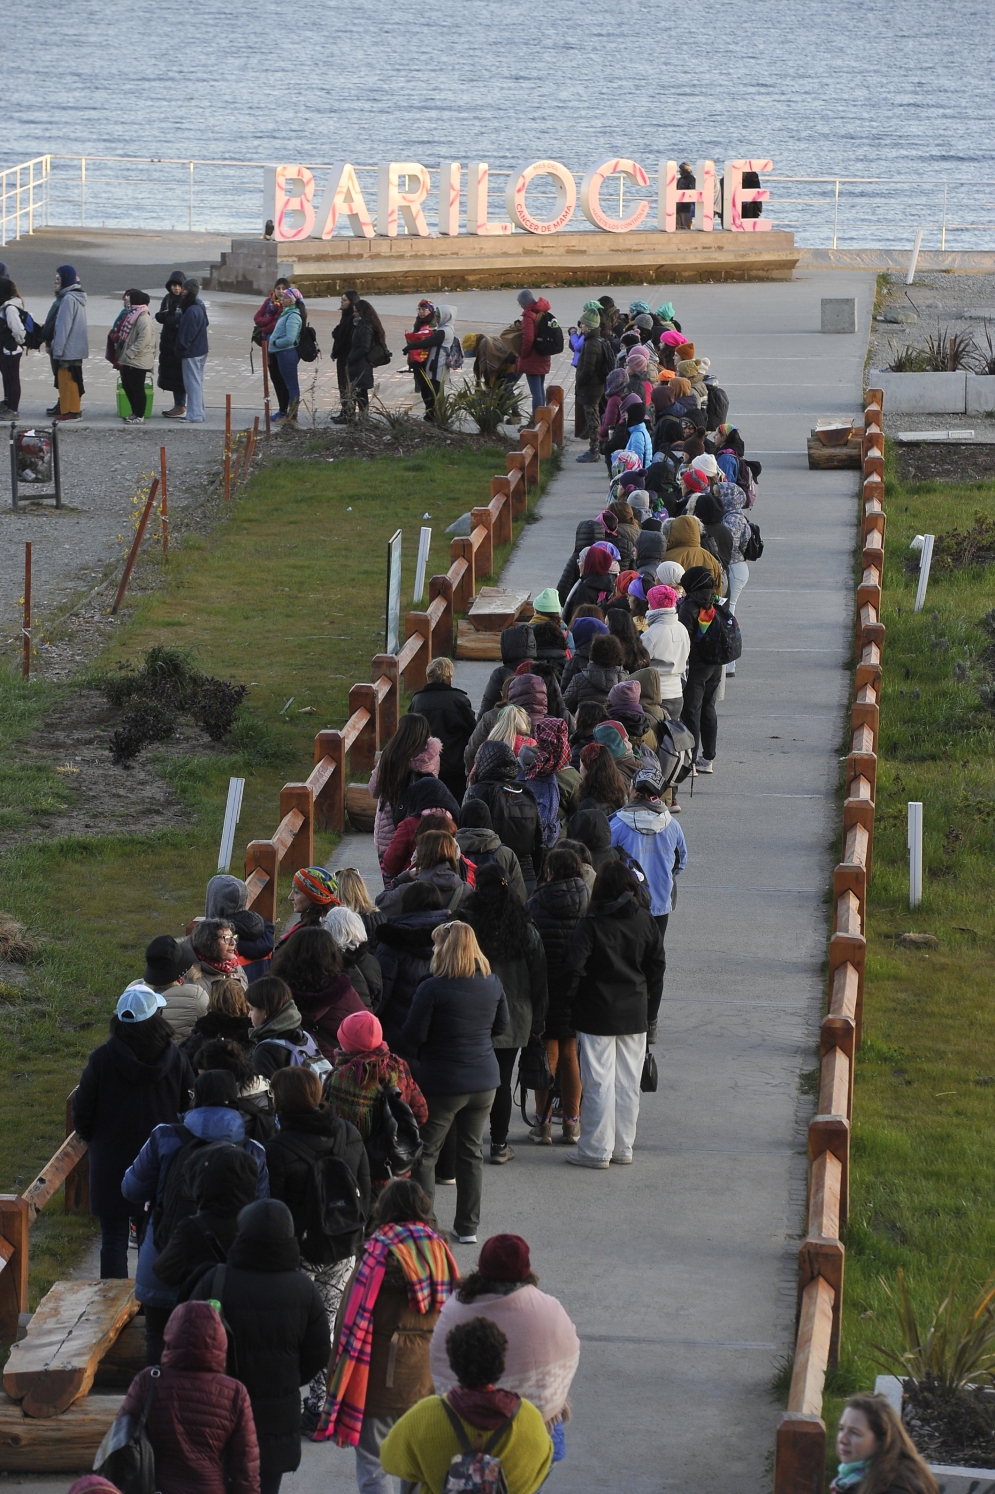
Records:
x=125, y=1456
x=650, y=1077
x=534, y=1071
x=378, y=355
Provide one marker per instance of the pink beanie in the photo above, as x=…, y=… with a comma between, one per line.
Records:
x=359, y=1032
x=660, y=597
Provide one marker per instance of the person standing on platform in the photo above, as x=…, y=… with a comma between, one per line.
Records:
x=170, y=363
x=191, y=345
x=69, y=344
x=685, y=183
x=283, y=340
x=534, y=365
x=341, y=343
x=136, y=355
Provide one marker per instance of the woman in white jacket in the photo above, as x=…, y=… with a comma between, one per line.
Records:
x=667, y=643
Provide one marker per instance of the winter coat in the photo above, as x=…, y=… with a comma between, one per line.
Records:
x=650, y=550
x=319, y=1133
x=186, y=1003
x=168, y=317
x=420, y=1446
x=481, y=846
x=399, y=1374
x=116, y=1107
x=525, y=989
x=358, y=365
x=666, y=642
x=515, y=817
x=592, y=369
x=200, y=1421
x=322, y=1011
x=451, y=885
x=354, y=1086
x=686, y=547
x=216, y=1025
x=451, y=1028
x=588, y=533
x=269, y=1050
x=553, y=653
x=518, y=643
x=589, y=590
x=255, y=942
x=145, y=1181
x=615, y=964
x=70, y=343
x=657, y=842
x=342, y=334
x=427, y=762
x=687, y=614
x=191, y=335
x=404, y=951
x=592, y=683
x=364, y=972
x=437, y=363
x=557, y=908
x=287, y=332
x=450, y=718
x=641, y=443
x=267, y=317
x=139, y=345
x=530, y=362
x=280, y=1337
x=221, y=1188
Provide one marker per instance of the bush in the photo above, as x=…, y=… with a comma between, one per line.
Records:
x=490, y=406
x=167, y=684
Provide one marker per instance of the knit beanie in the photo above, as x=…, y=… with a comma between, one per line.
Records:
x=687, y=368
x=694, y=481
x=525, y=298
x=639, y=498
x=594, y=306
x=587, y=628
x=660, y=598
x=669, y=573
x=624, y=696
x=638, y=358
x=644, y=322
x=138, y=297
x=666, y=311
x=685, y=349
x=317, y=884
x=589, y=319
x=674, y=339
x=706, y=463
x=611, y=734
x=359, y=1032
x=192, y=287
x=635, y=307
x=505, y=1258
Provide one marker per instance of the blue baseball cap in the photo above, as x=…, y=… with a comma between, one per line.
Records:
x=138, y=1002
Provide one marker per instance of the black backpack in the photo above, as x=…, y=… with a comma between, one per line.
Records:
x=334, y=1223
x=674, y=750
x=754, y=547
x=307, y=344
x=513, y=815
x=548, y=339
x=723, y=642
x=394, y=1146
x=177, y=1200
x=718, y=406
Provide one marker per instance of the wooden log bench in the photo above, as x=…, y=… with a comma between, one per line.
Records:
x=75, y=1324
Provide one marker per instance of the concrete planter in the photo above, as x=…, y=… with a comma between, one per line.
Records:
x=923, y=393
x=980, y=394
x=952, y=1479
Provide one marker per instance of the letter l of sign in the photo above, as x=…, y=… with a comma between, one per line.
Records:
x=477, y=184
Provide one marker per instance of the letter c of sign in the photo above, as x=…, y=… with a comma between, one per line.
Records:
x=566, y=197
x=590, y=195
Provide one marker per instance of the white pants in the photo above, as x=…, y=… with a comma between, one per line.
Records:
x=610, y=1071
x=193, y=383
x=739, y=574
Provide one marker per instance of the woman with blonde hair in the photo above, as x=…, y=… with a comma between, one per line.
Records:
x=456, y=1013
x=354, y=894
x=436, y=860
x=877, y=1455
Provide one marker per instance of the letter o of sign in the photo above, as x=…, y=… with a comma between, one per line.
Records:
x=590, y=195
x=566, y=197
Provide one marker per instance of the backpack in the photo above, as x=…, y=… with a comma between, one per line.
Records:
x=717, y=408
x=607, y=361
x=674, y=750
x=473, y=1472
x=334, y=1224
x=7, y=342
x=305, y=1055
x=394, y=1145
x=548, y=338
x=177, y=1200
x=747, y=481
x=454, y=355
x=378, y=355
x=512, y=816
x=754, y=547
x=307, y=344
x=126, y=1457
x=723, y=642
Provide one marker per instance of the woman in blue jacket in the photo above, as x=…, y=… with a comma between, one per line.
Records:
x=283, y=342
x=640, y=441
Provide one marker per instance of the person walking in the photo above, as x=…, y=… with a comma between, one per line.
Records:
x=311, y=1130
x=283, y=340
x=410, y=753
x=192, y=348
x=367, y=334
x=278, y=1330
x=615, y=969
x=696, y=613
x=450, y=718
x=380, y=1356
x=223, y=1180
x=136, y=354
x=557, y=906
x=341, y=342
x=199, y=1420
x=480, y=846
x=69, y=344
x=514, y=813
x=876, y=1452
x=455, y=1015
x=534, y=365
x=363, y=1066
x=512, y=946
x=135, y=1081
x=358, y=963
x=13, y=343
x=170, y=364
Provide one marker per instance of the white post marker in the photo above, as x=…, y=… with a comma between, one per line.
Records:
x=424, y=540
x=233, y=811
x=392, y=614
x=910, y=277
x=925, y=561
x=915, y=854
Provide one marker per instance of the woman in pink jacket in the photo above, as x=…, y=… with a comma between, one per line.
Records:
x=535, y=366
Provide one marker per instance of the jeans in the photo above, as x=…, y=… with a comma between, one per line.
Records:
x=114, y=1247
x=370, y=1476
x=133, y=383
x=698, y=714
x=193, y=383
x=501, y=1109
x=10, y=372
x=611, y=1068
x=288, y=360
x=469, y=1115
x=537, y=389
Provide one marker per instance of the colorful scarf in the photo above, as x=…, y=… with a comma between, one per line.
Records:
x=118, y=334
x=430, y=1272
x=849, y=1475
x=223, y=967
x=706, y=615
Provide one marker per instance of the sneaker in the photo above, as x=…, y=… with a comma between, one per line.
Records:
x=571, y=1132
x=73, y=415
x=501, y=1154
x=674, y=807
x=704, y=765
x=464, y=1239
x=622, y=1160
x=178, y=412
x=280, y=415
x=577, y=1159
x=134, y=420
x=6, y=413
x=53, y=409
x=542, y=1133
x=341, y=419
x=730, y=671
x=445, y=1182
x=589, y=456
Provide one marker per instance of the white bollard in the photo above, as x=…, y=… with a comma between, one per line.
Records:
x=910, y=277
x=233, y=810
x=424, y=540
x=915, y=854
x=925, y=561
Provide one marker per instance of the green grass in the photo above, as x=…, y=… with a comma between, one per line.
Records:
x=286, y=593
x=922, y=1166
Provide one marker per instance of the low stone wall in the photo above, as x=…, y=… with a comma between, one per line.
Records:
x=959, y=393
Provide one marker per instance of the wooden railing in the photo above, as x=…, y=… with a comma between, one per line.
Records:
x=800, y=1456
x=374, y=709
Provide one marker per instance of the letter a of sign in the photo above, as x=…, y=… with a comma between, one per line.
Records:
x=395, y=205
x=343, y=195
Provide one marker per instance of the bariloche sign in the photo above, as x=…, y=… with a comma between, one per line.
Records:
x=403, y=186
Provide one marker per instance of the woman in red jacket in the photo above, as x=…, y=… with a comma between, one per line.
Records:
x=535, y=366
x=200, y=1421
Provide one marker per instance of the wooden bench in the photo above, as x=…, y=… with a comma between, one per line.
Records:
x=69, y=1333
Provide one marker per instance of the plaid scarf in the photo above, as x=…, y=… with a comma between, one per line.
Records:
x=431, y=1274
x=223, y=967
x=355, y=1084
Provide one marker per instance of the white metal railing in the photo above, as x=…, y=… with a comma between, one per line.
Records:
x=226, y=196
x=24, y=197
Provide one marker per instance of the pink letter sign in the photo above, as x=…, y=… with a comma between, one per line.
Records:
x=590, y=195
x=392, y=203
x=289, y=189
x=449, y=174
x=735, y=195
x=703, y=196
x=566, y=197
x=343, y=195
x=477, y=186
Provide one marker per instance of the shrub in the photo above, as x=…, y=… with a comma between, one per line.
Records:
x=167, y=684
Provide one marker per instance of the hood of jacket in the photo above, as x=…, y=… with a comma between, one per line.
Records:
x=699, y=586
x=538, y=306
x=644, y=819
x=429, y=759
x=247, y=924
x=225, y=895
x=287, y=1020
x=445, y=315
x=72, y=293
x=622, y=907
x=224, y=1182
x=474, y=841
x=132, y=1068
x=649, y=679
x=313, y=1005
x=517, y=643
x=684, y=532
x=215, y=1123
x=320, y=1122
x=411, y=933
x=590, y=827
x=496, y=763
x=529, y=692
x=588, y=532
x=566, y=900
x=195, y=1339
x=604, y=677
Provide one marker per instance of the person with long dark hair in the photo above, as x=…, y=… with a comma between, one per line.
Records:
x=877, y=1455
x=367, y=331
x=13, y=341
x=602, y=786
x=615, y=970
x=170, y=363
x=311, y=965
x=514, y=950
x=621, y=626
x=341, y=343
x=557, y=906
x=137, y=1080
x=411, y=753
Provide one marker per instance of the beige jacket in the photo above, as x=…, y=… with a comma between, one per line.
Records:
x=184, y=1004
x=139, y=346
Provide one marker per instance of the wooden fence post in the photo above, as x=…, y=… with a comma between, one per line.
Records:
x=300, y=852
x=465, y=591
x=329, y=804
x=528, y=441
x=800, y=1454
x=385, y=667
x=260, y=855
x=414, y=674
x=516, y=486
x=544, y=425
x=15, y=1221
x=363, y=752
x=482, y=518
x=556, y=397
x=501, y=488
x=515, y=462
x=442, y=633
x=76, y=1198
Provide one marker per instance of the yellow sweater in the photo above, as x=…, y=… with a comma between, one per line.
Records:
x=422, y=1444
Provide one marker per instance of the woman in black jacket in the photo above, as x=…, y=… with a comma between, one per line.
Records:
x=455, y=1016
x=557, y=906
x=614, y=981
x=514, y=813
x=341, y=342
x=450, y=717
x=367, y=329
x=170, y=363
x=698, y=712
x=278, y=1330
x=222, y=1182
x=404, y=951
x=310, y=1130
x=513, y=948
x=134, y=1082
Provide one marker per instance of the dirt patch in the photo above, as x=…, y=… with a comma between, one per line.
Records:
x=936, y=462
x=952, y=1428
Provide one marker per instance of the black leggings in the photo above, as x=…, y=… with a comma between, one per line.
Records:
x=279, y=384
x=10, y=371
x=133, y=380
x=501, y=1108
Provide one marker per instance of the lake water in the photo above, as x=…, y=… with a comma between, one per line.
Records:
x=902, y=91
